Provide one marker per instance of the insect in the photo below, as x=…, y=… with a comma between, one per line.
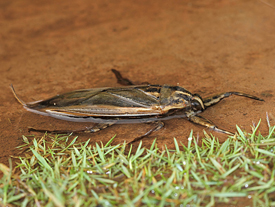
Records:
x=128, y=104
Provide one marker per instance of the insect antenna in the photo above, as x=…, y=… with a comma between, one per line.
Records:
x=17, y=98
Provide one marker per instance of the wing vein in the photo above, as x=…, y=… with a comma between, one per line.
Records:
x=128, y=100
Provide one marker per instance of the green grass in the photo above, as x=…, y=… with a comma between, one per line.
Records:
x=60, y=171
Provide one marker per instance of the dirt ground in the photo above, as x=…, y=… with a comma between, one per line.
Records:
x=208, y=47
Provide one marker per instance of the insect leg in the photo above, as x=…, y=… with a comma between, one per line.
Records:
x=217, y=98
x=17, y=98
x=158, y=126
x=92, y=129
x=98, y=127
x=205, y=122
x=120, y=79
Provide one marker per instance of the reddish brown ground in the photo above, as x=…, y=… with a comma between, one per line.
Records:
x=208, y=47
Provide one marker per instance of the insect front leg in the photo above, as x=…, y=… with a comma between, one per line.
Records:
x=205, y=122
x=158, y=126
x=217, y=98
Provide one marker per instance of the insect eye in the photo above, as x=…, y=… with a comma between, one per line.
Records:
x=196, y=105
x=179, y=101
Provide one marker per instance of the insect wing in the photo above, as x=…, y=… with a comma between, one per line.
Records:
x=104, y=102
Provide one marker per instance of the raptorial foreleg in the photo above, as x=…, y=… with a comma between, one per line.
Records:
x=210, y=101
x=207, y=123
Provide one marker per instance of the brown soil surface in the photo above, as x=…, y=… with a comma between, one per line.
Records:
x=208, y=47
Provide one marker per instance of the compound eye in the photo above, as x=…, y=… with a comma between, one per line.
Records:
x=196, y=106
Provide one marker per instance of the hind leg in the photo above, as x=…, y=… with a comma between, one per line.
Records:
x=92, y=129
x=120, y=79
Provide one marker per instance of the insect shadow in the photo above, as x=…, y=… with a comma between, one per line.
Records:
x=127, y=104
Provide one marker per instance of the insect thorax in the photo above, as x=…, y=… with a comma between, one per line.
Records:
x=176, y=97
